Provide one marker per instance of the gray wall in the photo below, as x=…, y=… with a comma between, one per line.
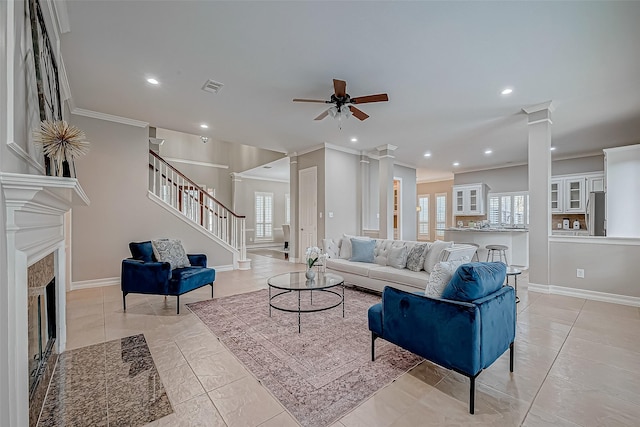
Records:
x=609, y=268
x=342, y=197
x=374, y=195
x=408, y=192
x=515, y=178
x=115, y=177
x=245, y=204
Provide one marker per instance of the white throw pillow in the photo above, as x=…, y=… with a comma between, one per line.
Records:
x=441, y=276
x=434, y=254
x=397, y=257
x=345, y=246
x=331, y=248
x=171, y=251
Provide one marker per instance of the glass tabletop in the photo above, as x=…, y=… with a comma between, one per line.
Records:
x=297, y=281
x=511, y=271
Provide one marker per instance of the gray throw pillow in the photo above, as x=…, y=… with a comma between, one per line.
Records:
x=397, y=257
x=362, y=250
x=415, y=259
x=171, y=251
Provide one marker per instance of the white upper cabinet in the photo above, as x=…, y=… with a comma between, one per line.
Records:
x=469, y=199
x=570, y=192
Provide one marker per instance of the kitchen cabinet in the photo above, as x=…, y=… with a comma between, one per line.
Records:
x=470, y=199
x=569, y=193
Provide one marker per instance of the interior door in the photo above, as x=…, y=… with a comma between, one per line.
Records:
x=308, y=209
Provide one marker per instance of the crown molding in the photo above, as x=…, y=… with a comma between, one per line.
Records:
x=108, y=117
x=310, y=149
x=342, y=149
x=547, y=105
x=259, y=178
x=194, y=162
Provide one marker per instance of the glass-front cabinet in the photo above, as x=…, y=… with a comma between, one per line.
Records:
x=469, y=199
x=574, y=195
x=569, y=193
x=556, y=196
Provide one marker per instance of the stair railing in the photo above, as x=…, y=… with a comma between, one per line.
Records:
x=196, y=204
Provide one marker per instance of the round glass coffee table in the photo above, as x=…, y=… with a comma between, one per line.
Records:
x=287, y=283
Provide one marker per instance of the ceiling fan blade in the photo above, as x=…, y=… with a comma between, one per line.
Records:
x=324, y=114
x=358, y=113
x=339, y=88
x=370, y=98
x=310, y=100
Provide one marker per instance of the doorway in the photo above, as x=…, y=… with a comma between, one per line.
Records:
x=308, y=209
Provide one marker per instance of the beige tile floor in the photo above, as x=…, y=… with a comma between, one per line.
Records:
x=577, y=364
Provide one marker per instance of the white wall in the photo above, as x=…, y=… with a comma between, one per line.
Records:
x=374, y=195
x=623, y=191
x=408, y=192
x=245, y=204
x=315, y=158
x=578, y=165
x=341, y=195
x=114, y=176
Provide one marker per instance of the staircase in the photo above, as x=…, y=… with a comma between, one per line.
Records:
x=201, y=209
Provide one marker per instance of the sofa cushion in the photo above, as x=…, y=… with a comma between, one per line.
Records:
x=345, y=245
x=362, y=250
x=331, y=248
x=441, y=276
x=416, y=279
x=189, y=278
x=475, y=280
x=359, y=268
x=415, y=258
x=171, y=251
x=142, y=251
x=434, y=254
x=397, y=257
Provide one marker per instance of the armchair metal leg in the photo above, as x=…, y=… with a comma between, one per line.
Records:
x=373, y=346
x=472, y=394
x=178, y=305
x=511, y=357
x=211, y=290
x=124, y=301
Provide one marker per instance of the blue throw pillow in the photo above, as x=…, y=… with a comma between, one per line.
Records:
x=362, y=250
x=475, y=280
x=142, y=251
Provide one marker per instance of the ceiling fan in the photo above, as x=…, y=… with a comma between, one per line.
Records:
x=343, y=103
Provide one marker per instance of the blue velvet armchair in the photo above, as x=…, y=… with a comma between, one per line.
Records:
x=142, y=274
x=467, y=330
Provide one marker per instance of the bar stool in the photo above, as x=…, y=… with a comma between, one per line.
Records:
x=500, y=249
x=474, y=258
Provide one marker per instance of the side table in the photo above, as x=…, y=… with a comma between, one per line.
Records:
x=515, y=272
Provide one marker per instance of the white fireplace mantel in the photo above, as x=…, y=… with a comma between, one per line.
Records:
x=35, y=209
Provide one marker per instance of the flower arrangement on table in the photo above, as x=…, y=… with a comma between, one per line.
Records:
x=313, y=255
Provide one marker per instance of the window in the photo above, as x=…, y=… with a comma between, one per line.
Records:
x=423, y=217
x=264, y=216
x=287, y=209
x=441, y=214
x=509, y=209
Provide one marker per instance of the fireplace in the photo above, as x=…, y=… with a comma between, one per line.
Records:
x=32, y=303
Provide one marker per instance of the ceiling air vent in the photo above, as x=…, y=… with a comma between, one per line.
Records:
x=212, y=86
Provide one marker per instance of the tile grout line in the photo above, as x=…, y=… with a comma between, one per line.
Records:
x=551, y=367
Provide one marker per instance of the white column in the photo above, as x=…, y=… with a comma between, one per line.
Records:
x=365, y=193
x=236, y=179
x=386, y=190
x=293, y=200
x=539, y=119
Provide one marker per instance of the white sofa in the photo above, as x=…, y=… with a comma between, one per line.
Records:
x=375, y=276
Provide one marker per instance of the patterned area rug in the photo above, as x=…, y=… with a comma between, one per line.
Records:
x=319, y=374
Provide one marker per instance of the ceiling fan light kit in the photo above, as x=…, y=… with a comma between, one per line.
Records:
x=342, y=106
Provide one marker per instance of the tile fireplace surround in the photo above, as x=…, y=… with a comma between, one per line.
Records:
x=35, y=212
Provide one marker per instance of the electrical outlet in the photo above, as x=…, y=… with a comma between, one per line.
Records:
x=580, y=273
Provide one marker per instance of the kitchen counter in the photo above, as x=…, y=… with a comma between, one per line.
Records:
x=517, y=239
x=487, y=230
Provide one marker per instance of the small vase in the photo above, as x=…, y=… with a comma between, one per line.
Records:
x=310, y=274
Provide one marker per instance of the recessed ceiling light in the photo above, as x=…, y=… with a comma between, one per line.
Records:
x=552, y=148
x=507, y=91
x=488, y=151
x=427, y=154
x=203, y=126
x=456, y=163
x=354, y=139
x=153, y=81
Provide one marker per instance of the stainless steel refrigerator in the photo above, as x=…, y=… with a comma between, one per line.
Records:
x=596, y=224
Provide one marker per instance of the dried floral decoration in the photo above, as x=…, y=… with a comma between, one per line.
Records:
x=61, y=141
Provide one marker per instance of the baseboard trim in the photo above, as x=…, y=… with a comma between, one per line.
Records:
x=586, y=294
x=219, y=268
x=95, y=283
